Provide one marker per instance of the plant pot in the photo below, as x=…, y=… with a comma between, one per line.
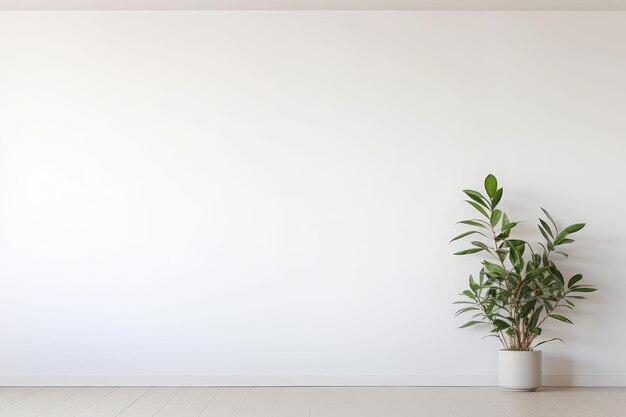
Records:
x=519, y=370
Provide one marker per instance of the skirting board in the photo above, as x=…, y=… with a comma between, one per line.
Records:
x=297, y=380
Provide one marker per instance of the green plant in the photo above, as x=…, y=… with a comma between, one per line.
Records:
x=519, y=287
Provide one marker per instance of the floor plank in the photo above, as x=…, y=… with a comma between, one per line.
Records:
x=80, y=402
x=188, y=402
x=261, y=402
x=16, y=394
x=570, y=402
x=609, y=399
x=151, y=402
x=464, y=401
x=114, y=403
x=293, y=402
x=414, y=401
x=40, y=402
x=342, y=401
x=227, y=402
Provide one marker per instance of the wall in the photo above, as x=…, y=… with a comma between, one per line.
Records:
x=267, y=197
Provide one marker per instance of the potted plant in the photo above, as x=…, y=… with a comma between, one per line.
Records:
x=519, y=286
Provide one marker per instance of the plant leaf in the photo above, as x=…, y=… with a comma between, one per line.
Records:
x=478, y=207
x=561, y=318
x=543, y=233
x=495, y=217
x=472, y=223
x=500, y=325
x=471, y=232
x=582, y=289
x=494, y=269
x=477, y=197
x=550, y=218
x=468, y=251
x=479, y=244
x=496, y=198
x=491, y=185
x=573, y=280
x=465, y=309
x=560, y=237
x=534, y=319
x=547, y=228
x=574, y=228
x=546, y=341
x=472, y=323
x=507, y=227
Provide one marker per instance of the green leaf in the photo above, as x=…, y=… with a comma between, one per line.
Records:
x=543, y=233
x=546, y=341
x=565, y=241
x=573, y=280
x=574, y=228
x=472, y=323
x=495, y=217
x=519, y=244
x=582, y=289
x=491, y=185
x=469, y=294
x=561, y=318
x=500, y=325
x=526, y=308
x=550, y=218
x=477, y=197
x=560, y=237
x=502, y=254
x=465, y=310
x=468, y=251
x=471, y=232
x=535, y=318
x=547, y=228
x=496, y=198
x=556, y=273
x=536, y=331
x=495, y=270
x=516, y=259
x=472, y=283
x=480, y=245
x=472, y=223
x=478, y=207
x=507, y=227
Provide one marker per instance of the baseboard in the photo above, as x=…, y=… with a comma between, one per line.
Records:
x=296, y=380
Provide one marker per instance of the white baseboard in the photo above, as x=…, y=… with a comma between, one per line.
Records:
x=296, y=380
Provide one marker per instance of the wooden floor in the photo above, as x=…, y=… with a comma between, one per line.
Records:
x=307, y=401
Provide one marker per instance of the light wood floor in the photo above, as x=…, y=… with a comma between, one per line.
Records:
x=307, y=401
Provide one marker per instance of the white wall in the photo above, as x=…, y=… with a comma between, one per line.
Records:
x=267, y=197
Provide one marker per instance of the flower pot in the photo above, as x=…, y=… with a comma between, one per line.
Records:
x=519, y=370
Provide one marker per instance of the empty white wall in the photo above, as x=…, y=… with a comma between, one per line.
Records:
x=267, y=197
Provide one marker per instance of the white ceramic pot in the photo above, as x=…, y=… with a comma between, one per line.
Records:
x=519, y=370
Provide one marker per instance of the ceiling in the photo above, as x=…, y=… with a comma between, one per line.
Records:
x=313, y=5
